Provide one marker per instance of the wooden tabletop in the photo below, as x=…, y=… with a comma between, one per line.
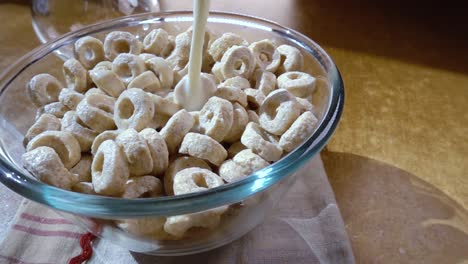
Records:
x=399, y=160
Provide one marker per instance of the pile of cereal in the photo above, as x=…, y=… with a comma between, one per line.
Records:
x=117, y=129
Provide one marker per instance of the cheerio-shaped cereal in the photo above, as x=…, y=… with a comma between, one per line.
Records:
x=85, y=136
x=146, y=57
x=223, y=43
x=240, y=120
x=261, y=142
x=106, y=135
x=253, y=117
x=179, y=224
x=64, y=143
x=176, y=128
x=108, y=81
x=44, y=89
x=97, y=111
x=306, y=105
x=70, y=98
x=94, y=90
x=232, y=94
x=83, y=187
x=265, y=81
x=83, y=168
x=143, y=186
x=203, y=147
x=299, y=131
x=216, y=118
x=109, y=170
x=75, y=75
x=147, y=81
x=300, y=84
x=192, y=180
x=156, y=42
x=163, y=71
x=128, y=66
x=235, y=148
x=105, y=65
x=145, y=226
x=89, y=51
x=237, y=61
x=134, y=109
x=279, y=110
x=178, y=165
x=46, y=122
x=164, y=106
x=158, y=149
x=238, y=82
x=242, y=165
x=44, y=163
x=118, y=42
x=291, y=59
x=266, y=56
x=255, y=97
x=136, y=152
x=56, y=108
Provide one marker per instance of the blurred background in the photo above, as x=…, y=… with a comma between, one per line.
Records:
x=398, y=162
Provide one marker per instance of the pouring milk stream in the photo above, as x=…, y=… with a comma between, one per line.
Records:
x=194, y=89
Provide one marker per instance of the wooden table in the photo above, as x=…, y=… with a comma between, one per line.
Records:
x=399, y=159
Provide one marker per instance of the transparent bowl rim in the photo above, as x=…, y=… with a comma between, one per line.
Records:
x=109, y=207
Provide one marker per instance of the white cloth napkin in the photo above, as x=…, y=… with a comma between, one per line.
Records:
x=305, y=228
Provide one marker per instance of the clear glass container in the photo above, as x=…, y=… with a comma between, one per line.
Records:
x=249, y=200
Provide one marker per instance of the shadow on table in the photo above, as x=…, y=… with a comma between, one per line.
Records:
x=392, y=216
x=432, y=33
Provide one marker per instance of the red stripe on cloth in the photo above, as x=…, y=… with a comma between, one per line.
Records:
x=44, y=220
x=12, y=260
x=37, y=232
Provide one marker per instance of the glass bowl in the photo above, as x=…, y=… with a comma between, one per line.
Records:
x=250, y=200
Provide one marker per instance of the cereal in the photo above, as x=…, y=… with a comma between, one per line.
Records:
x=118, y=42
x=216, y=118
x=240, y=120
x=83, y=187
x=299, y=131
x=203, y=147
x=64, y=143
x=305, y=104
x=253, y=117
x=237, y=61
x=109, y=169
x=235, y=148
x=242, y=165
x=137, y=152
x=89, y=51
x=133, y=109
x=232, y=94
x=158, y=150
x=255, y=97
x=144, y=186
x=75, y=75
x=176, y=128
x=85, y=136
x=45, y=164
x=57, y=109
x=108, y=81
x=106, y=65
x=261, y=142
x=266, y=56
x=46, y=122
x=265, y=81
x=195, y=180
x=146, y=57
x=238, y=82
x=156, y=41
x=278, y=111
x=106, y=135
x=128, y=66
x=70, y=98
x=83, y=168
x=223, y=43
x=291, y=59
x=178, y=165
x=300, y=84
x=164, y=106
x=97, y=112
x=147, y=81
x=163, y=71
x=44, y=89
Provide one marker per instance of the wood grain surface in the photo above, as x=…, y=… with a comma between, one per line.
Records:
x=399, y=160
